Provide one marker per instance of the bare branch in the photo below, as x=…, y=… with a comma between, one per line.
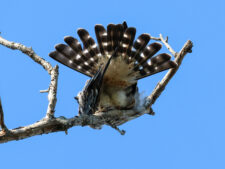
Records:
x=2, y=123
x=156, y=38
x=46, y=126
x=165, y=42
x=28, y=51
x=122, y=132
x=52, y=92
x=162, y=84
x=50, y=125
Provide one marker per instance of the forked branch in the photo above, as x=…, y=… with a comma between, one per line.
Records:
x=50, y=124
x=53, y=72
x=187, y=48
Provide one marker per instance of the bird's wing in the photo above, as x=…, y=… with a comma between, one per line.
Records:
x=89, y=97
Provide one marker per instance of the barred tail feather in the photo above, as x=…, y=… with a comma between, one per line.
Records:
x=114, y=36
x=141, y=43
x=125, y=45
x=147, y=53
x=157, y=64
x=125, y=25
x=90, y=46
x=69, y=53
x=67, y=62
x=74, y=44
x=102, y=39
x=138, y=47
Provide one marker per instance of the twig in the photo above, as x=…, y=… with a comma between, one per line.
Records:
x=165, y=42
x=44, y=91
x=122, y=132
x=156, y=38
x=2, y=123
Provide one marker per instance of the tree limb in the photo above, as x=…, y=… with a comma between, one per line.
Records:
x=46, y=126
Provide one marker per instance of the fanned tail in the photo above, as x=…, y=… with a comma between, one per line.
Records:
x=138, y=55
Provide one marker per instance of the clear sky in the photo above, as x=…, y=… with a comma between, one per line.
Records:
x=188, y=130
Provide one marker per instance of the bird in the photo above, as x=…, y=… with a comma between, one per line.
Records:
x=114, y=66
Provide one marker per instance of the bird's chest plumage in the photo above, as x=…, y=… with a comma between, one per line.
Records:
x=115, y=90
x=111, y=97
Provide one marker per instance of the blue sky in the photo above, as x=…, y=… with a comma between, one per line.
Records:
x=188, y=130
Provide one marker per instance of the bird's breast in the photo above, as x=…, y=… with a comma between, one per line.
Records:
x=115, y=98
